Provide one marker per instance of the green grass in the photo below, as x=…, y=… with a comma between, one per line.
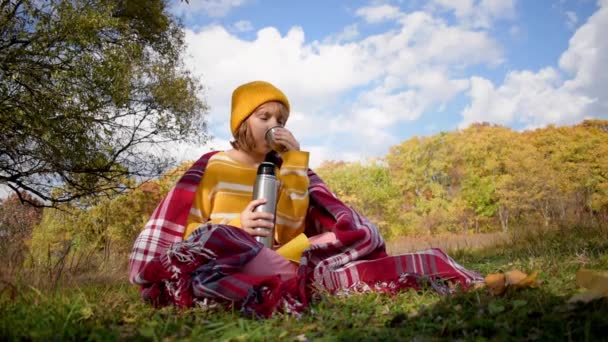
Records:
x=115, y=312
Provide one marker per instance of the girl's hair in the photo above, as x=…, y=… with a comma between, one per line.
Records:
x=243, y=140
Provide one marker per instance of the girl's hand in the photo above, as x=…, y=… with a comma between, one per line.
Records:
x=283, y=137
x=251, y=220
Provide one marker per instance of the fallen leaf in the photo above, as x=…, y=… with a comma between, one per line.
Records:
x=499, y=282
x=514, y=277
x=521, y=280
x=496, y=283
x=596, y=283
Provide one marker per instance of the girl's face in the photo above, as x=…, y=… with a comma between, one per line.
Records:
x=266, y=116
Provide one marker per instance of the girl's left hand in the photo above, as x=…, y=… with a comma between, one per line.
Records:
x=285, y=138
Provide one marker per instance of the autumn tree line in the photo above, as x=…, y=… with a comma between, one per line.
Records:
x=484, y=178
x=79, y=237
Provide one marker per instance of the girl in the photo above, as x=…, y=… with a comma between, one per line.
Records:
x=219, y=262
x=224, y=195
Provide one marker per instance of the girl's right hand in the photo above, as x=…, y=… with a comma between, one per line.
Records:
x=251, y=220
x=283, y=137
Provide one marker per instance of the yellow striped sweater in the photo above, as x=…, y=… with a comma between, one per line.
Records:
x=227, y=188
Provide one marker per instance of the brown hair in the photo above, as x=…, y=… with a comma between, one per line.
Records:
x=243, y=140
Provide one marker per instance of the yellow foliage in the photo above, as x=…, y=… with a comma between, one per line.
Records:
x=498, y=283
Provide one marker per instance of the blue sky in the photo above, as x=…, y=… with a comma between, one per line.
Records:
x=363, y=76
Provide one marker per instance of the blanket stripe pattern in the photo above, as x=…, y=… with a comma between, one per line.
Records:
x=205, y=267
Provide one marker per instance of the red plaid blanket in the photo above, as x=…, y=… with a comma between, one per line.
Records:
x=206, y=265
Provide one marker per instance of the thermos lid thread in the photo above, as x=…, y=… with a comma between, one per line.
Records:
x=266, y=168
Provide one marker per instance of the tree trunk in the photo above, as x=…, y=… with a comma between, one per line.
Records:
x=503, y=214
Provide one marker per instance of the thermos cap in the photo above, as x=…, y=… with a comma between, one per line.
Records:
x=271, y=142
x=266, y=168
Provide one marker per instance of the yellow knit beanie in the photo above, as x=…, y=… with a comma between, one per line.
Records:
x=249, y=96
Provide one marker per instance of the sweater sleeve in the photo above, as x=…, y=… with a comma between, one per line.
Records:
x=196, y=215
x=293, y=200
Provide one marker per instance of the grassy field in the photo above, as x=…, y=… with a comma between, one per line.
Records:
x=113, y=311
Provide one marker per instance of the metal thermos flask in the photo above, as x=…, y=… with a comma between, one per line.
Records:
x=266, y=186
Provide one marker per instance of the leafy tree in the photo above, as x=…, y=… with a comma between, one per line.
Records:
x=101, y=233
x=90, y=92
x=420, y=163
x=487, y=175
x=579, y=156
x=367, y=188
x=479, y=194
x=424, y=172
x=483, y=151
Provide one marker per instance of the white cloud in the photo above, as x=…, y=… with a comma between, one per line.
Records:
x=435, y=84
x=571, y=19
x=349, y=33
x=525, y=97
x=461, y=8
x=539, y=98
x=192, y=152
x=498, y=8
x=586, y=59
x=376, y=111
x=425, y=40
x=342, y=90
x=460, y=46
x=477, y=13
x=243, y=26
x=306, y=71
x=212, y=8
x=379, y=13
x=321, y=153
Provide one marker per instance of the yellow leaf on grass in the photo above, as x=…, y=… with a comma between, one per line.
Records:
x=499, y=282
x=496, y=283
x=514, y=277
x=596, y=283
x=520, y=279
